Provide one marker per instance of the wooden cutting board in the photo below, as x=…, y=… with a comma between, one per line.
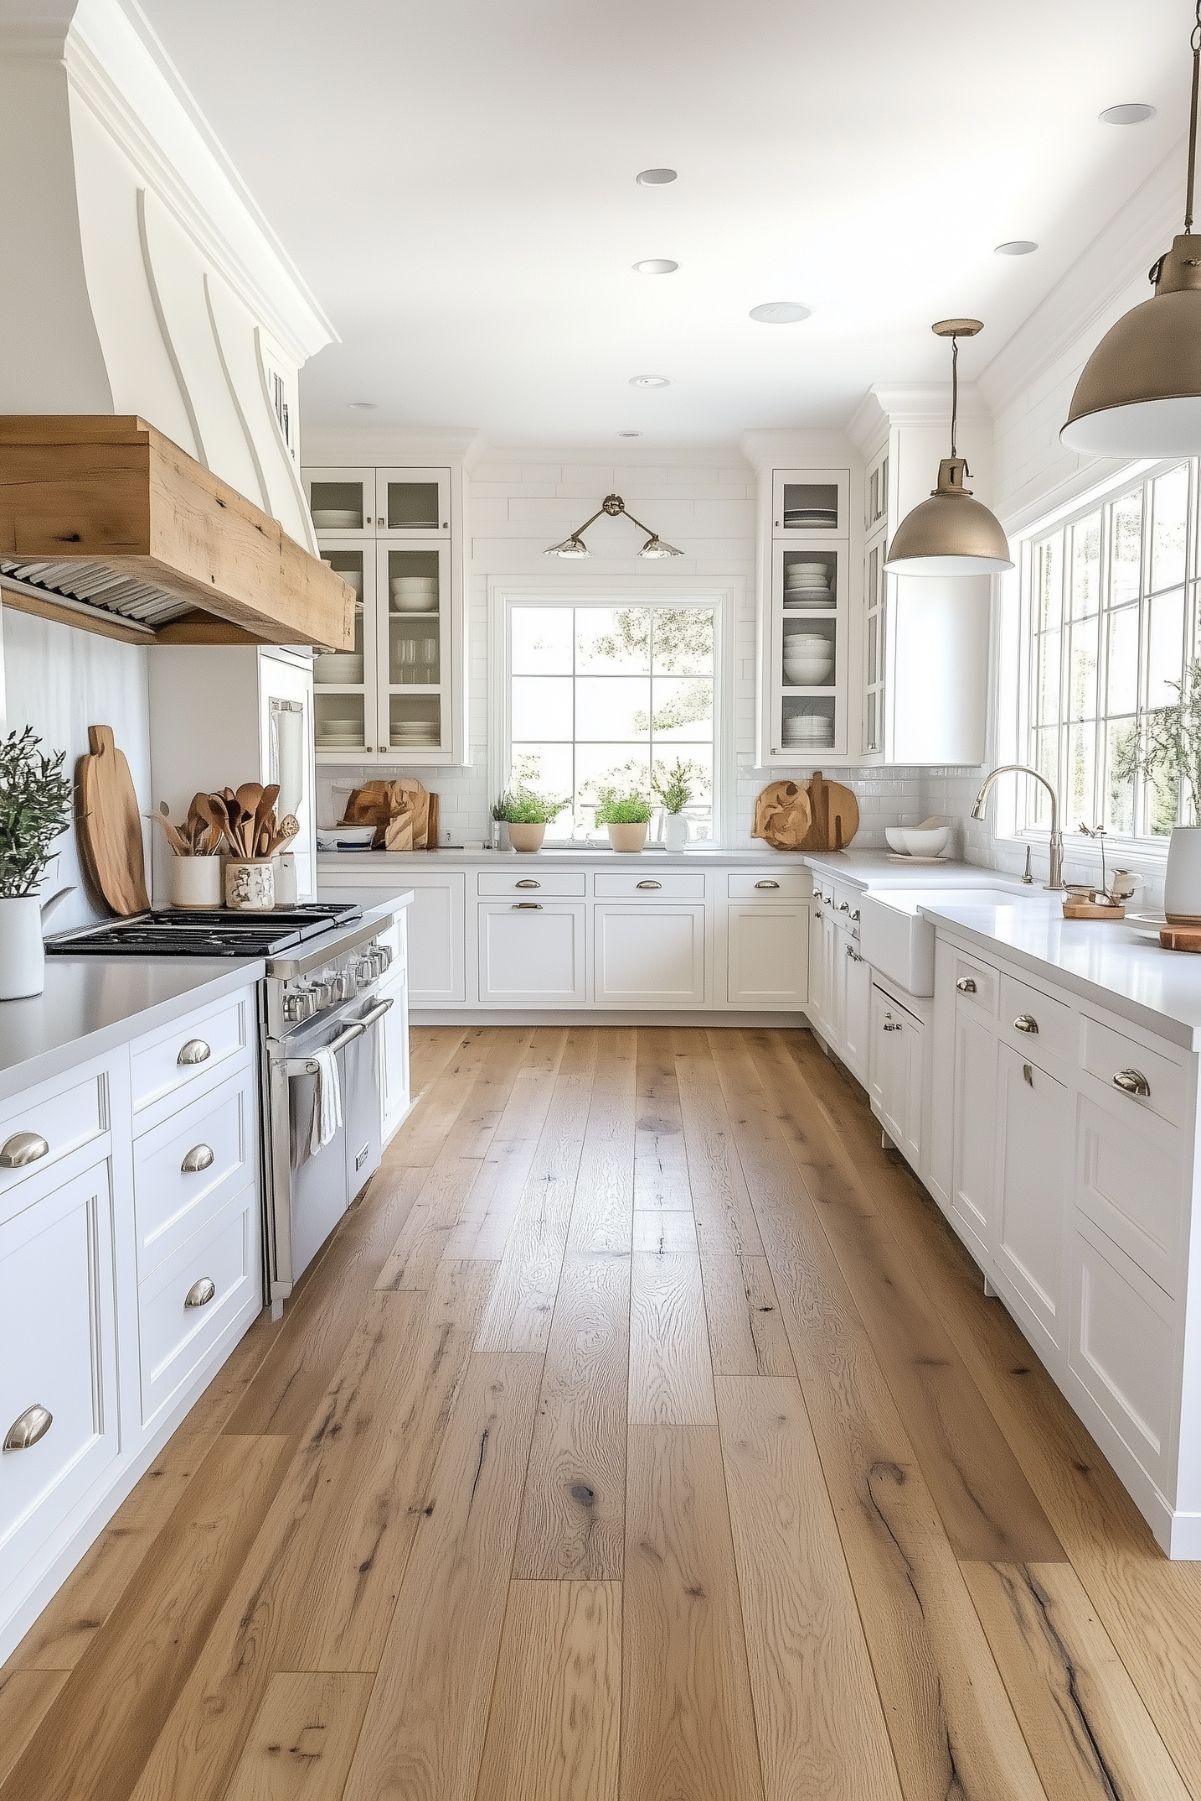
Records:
x=110, y=825
x=782, y=815
x=835, y=815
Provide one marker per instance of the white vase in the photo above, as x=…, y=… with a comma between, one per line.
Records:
x=22, y=956
x=1182, y=879
x=195, y=882
x=675, y=831
x=286, y=889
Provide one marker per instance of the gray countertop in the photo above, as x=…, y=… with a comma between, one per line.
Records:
x=92, y=1004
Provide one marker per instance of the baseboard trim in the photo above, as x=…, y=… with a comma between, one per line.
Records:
x=600, y=1016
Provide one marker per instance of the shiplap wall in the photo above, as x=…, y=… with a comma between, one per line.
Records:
x=518, y=502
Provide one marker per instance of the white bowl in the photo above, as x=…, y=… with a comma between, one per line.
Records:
x=912, y=841
x=414, y=603
x=338, y=666
x=335, y=837
x=337, y=519
x=808, y=675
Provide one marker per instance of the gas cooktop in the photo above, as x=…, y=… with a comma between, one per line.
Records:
x=180, y=932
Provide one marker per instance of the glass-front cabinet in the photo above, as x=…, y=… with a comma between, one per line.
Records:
x=396, y=698
x=811, y=503
x=806, y=662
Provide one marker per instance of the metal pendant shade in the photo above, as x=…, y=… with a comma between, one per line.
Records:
x=1139, y=394
x=951, y=533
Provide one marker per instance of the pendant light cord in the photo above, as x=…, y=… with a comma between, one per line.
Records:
x=955, y=375
x=1195, y=41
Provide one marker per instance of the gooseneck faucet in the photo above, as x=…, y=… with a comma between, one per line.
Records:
x=1055, y=873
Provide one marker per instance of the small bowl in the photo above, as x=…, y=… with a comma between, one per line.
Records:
x=913, y=841
x=338, y=837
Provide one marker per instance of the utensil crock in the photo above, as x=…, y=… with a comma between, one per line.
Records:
x=250, y=884
x=195, y=882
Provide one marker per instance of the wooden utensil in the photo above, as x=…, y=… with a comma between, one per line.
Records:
x=266, y=808
x=835, y=815
x=782, y=815
x=180, y=845
x=110, y=826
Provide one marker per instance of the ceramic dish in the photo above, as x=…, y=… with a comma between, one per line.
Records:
x=337, y=519
x=414, y=603
x=914, y=841
x=338, y=666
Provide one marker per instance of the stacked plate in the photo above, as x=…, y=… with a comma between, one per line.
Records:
x=807, y=585
x=808, y=659
x=808, y=731
x=811, y=519
x=339, y=734
x=414, y=593
x=337, y=519
x=412, y=734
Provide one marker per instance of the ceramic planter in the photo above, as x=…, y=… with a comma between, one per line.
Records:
x=22, y=957
x=628, y=837
x=286, y=890
x=526, y=837
x=195, y=882
x=1182, y=879
x=250, y=884
x=675, y=831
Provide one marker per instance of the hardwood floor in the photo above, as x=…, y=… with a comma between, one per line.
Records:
x=642, y=1435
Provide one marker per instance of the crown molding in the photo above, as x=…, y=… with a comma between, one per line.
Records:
x=775, y=449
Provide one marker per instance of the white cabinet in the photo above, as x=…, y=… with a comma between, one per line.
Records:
x=399, y=697
x=856, y=1013
x=805, y=608
x=767, y=955
x=817, y=970
x=58, y=1360
x=436, y=922
x=1034, y=1112
x=649, y=953
x=896, y=1071
x=975, y=1082
x=532, y=952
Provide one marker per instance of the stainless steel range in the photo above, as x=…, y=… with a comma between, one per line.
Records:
x=324, y=963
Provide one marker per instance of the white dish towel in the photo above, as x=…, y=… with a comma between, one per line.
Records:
x=327, y=1101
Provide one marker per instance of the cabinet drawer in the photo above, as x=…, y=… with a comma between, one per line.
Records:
x=1046, y=1025
x=1107, y=1054
x=975, y=982
x=1132, y=1181
x=177, y=1327
x=186, y=1167
x=628, y=885
x=57, y=1354
x=70, y=1111
x=567, y=884
x=191, y=1049
x=1122, y=1348
x=789, y=884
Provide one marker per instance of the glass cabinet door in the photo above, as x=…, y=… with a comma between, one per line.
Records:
x=808, y=650
x=344, y=680
x=414, y=646
x=342, y=501
x=810, y=503
x=412, y=503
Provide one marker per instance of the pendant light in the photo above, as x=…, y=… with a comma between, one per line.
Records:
x=951, y=533
x=615, y=507
x=1139, y=394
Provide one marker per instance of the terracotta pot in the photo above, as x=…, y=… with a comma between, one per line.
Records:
x=628, y=837
x=526, y=837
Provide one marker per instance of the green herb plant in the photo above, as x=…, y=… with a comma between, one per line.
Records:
x=1170, y=741
x=35, y=807
x=522, y=806
x=675, y=785
x=630, y=808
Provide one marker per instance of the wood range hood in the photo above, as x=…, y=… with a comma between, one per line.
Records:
x=108, y=525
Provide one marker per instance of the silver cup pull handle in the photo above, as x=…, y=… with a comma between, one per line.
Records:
x=22, y=1149
x=1133, y=1081
x=200, y=1293
x=198, y=1158
x=28, y=1428
x=768, y=884
x=194, y=1051
x=965, y=985
x=1026, y=1022
x=650, y=884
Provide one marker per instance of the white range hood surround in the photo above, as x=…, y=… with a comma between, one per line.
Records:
x=140, y=277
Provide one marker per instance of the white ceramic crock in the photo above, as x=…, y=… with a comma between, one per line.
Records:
x=250, y=884
x=1182, y=878
x=195, y=882
x=286, y=890
x=22, y=956
x=675, y=831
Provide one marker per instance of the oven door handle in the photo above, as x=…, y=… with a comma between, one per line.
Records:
x=377, y=1013
x=305, y=1066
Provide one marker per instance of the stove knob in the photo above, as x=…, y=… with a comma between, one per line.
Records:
x=323, y=993
x=345, y=984
x=364, y=972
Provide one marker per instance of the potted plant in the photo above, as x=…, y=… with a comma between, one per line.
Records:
x=626, y=815
x=35, y=806
x=674, y=787
x=527, y=816
x=1171, y=744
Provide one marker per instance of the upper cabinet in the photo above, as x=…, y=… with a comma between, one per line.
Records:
x=396, y=535
x=806, y=667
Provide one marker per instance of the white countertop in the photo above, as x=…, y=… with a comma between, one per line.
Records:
x=92, y=1004
x=699, y=855
x=880, y=869
x=1108, y=963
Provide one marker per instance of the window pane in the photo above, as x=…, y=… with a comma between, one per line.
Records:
x=1123, y=660
x=542, y=707
x=1050, y=580
x=621, y=766
x=1126, y=568
x=698, y=766
x=1120, y=778
x=1162, y=800
x=1086, y=566
x=547, y=768
x=1165, y=650
x=1079, y=803
x=683, y=709
x=1048, y=678
x=1082, y=671
x=541, y=641
x=683, y=641
x=1046, y=761
x=1169, y=512
x=612, y=706
x=613, y=640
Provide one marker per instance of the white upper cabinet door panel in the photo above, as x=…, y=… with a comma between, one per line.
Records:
x=412, y=503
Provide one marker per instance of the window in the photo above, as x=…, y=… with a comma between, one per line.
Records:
x=1110, y=617
x=605, y=695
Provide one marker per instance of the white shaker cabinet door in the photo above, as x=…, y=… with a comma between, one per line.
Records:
x=975, y=1098
x=437, y=972
x=58, y=1361
x=1034, y=1115
x=532, y=953
x=856, y=1019
x=650, y=954
x=767, y=955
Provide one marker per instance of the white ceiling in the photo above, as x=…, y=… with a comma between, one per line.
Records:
x=455, y=180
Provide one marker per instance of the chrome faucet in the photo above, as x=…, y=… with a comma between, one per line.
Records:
x=1055, y=873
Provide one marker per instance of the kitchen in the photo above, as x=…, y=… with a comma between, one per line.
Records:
x=598, y=1035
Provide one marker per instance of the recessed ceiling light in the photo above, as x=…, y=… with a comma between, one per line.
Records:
x=629, y=434
x=650, y=381
x=1134, y=112
x=1016, y=247
x=364, y=406
x=656, y=265
x=654, y=178
x=780, y=312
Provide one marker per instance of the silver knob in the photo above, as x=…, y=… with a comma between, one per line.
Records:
x=855, y=914
x=28, y=1428
x=194, y=1051
x=1026, y=1022
x=198, y=1158
x=966, y=985
x=1133, y=1081
x=200, y=1293
x=22, y=1149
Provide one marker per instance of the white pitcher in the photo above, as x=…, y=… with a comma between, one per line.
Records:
x=22, y=956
